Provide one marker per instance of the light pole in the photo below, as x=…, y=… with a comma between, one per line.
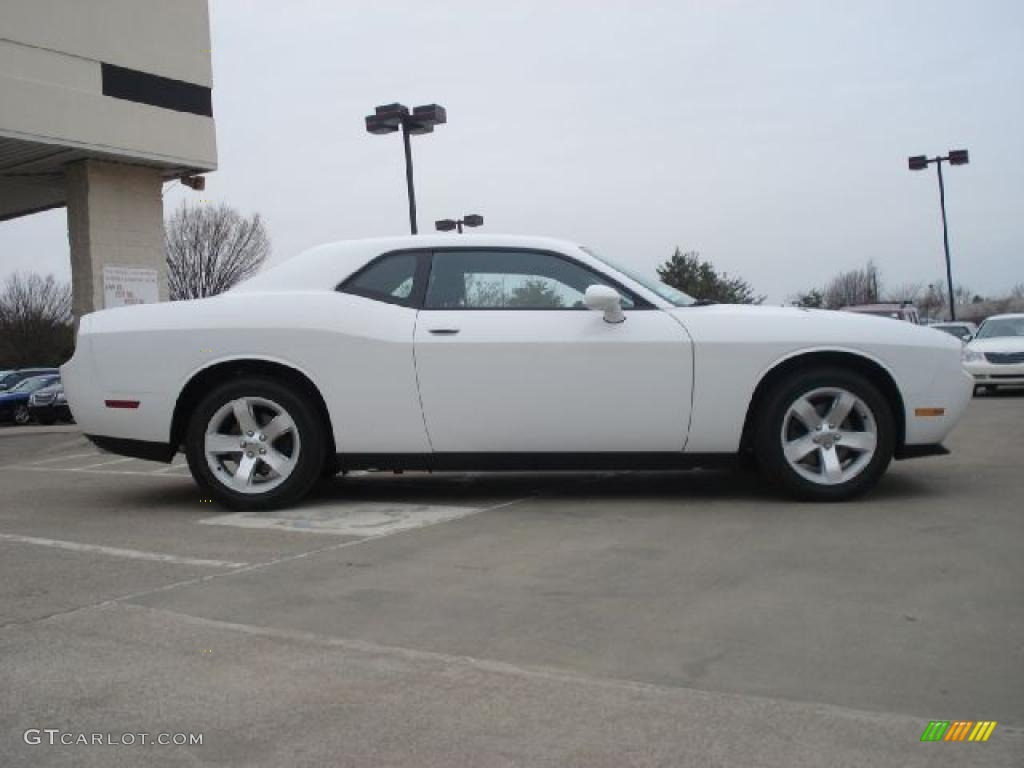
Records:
x=920, y=163
x=469, y=220
x=389, y=118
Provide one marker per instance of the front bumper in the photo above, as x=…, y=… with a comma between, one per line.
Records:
x=988, y=374
x=920, y=451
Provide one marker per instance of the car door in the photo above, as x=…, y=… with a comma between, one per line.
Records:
x=508, y=359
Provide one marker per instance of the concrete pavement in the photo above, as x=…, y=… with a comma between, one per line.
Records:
x=613, y=619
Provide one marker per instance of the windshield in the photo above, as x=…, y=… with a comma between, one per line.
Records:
x=1003, y=326
x=31, y=385
x=959, y=331
x=667, y=292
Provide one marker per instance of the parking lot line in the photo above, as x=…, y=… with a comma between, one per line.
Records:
x=65, y=458
x=100, y=464
x=147, y=473
x=170, y=468
x=131, y=554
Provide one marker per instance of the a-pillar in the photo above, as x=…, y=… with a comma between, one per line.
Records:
x=115, y=219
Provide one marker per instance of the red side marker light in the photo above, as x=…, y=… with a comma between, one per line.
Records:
x=122, y=403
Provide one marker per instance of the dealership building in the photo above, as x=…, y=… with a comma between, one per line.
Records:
x=102, y=103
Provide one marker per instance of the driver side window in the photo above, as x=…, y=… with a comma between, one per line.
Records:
x=509, y=280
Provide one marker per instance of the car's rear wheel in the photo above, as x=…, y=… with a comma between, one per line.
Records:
x=825, y=435
x=21, y=414
x=255, y=444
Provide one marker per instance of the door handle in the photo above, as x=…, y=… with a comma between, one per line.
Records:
x=444, y=331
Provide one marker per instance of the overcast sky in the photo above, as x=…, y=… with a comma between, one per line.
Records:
x=771, y=137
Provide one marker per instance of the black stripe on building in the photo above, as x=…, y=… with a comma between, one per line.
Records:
x=142, y=87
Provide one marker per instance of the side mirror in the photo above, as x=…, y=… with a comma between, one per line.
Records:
x=601, y=298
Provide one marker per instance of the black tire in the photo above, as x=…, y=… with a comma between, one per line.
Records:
x=768, y=441
x=308, y=424
x=21, y=415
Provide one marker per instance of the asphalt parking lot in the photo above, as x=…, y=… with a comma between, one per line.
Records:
x=626, y=619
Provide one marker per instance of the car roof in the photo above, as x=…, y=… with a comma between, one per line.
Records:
x=884, y=307
x=333, y=262
x=1007, y=316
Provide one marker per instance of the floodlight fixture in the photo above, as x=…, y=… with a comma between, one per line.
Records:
x=389, y=118
x=469, y=220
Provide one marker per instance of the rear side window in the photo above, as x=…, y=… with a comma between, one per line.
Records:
x=391, y=278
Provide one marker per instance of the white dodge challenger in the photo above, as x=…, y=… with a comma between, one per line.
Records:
x=487, y=352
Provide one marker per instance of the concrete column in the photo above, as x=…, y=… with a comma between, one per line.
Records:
x=115, y=218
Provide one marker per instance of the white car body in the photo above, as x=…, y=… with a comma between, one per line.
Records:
x=997, y=360
x=455, y=388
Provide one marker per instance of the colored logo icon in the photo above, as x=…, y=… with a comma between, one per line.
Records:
x=958, y=730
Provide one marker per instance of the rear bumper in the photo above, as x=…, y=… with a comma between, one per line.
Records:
x=50, y=411
x=136, y=449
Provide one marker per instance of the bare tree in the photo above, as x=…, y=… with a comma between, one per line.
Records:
x=210, y=249
x=35, y=321
x=904, y=292
x=858, y=286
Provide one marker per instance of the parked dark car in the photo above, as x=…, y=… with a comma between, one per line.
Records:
x=48, y=405
x=14, y=402
x=10, y=378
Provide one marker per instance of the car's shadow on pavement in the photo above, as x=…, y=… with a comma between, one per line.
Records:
x=488, y=490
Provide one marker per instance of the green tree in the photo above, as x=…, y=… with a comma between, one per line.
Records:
x=691, y=274
x=812, y=299
x=537, y=293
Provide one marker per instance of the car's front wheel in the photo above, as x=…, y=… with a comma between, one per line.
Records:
x=21, y=414
x=255, y=443
x=825, y=435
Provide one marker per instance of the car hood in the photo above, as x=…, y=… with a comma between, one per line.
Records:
x=807, y=326
x=1008, y=344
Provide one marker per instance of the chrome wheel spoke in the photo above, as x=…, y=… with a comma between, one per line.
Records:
x=840, y=409
x=277, y=461
x=246, y=469
x=831, y=467
x=804, y=410
x=862, y=442
x=219, y=444
x=242, y=409
x=279, y=425
x=799, y=449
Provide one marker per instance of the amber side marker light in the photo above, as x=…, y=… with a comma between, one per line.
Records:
x=929, y=411
x=122, y=403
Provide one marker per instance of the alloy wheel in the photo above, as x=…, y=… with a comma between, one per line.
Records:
x=829, y=436
x=251, y=445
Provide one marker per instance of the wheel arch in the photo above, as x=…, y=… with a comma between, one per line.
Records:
x=874, y=370
x=218, y=372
